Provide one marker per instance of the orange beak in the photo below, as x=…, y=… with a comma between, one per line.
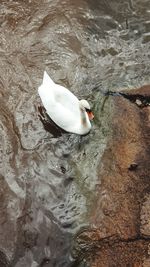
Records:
x=90, y=115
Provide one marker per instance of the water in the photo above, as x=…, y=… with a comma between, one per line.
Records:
x=48, y=181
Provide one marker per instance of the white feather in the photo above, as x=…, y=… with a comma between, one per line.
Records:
x=62, y=106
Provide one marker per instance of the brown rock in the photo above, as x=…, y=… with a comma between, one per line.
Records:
x=121, y=216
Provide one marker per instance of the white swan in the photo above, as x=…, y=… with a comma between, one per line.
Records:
x=64, y=108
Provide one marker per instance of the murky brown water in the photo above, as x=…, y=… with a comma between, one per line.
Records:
x=48, y=181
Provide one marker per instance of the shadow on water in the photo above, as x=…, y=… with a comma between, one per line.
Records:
x=50, y=176
x=48, y=124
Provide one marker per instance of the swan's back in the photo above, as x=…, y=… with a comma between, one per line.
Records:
x=61, y=105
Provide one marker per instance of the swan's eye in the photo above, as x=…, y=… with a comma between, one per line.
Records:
x=87, y=110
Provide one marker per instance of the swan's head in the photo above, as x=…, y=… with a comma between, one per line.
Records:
x=85, y=106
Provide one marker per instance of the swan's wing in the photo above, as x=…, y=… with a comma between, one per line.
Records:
x=67, y=99
x=47, y=80
x=44, y=88
x=63, y=117
x=52, y=94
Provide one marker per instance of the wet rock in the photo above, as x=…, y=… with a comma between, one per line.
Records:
x=140, y=96
x=145, y=217
x=120, y=230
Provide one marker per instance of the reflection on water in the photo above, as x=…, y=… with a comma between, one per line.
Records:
x=48, y=181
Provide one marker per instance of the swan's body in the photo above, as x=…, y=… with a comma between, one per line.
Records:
x=64, y=108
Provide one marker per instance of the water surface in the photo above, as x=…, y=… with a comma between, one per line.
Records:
x=48, y=182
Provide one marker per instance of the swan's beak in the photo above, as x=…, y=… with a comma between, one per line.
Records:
x=90, y=115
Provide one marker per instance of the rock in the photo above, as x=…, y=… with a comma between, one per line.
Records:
x=145, y=217
x=121, y=213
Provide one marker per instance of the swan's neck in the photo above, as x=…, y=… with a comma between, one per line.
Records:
x=83, y=125
x=84, y=119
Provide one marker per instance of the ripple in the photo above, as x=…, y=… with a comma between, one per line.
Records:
x=50, y=179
